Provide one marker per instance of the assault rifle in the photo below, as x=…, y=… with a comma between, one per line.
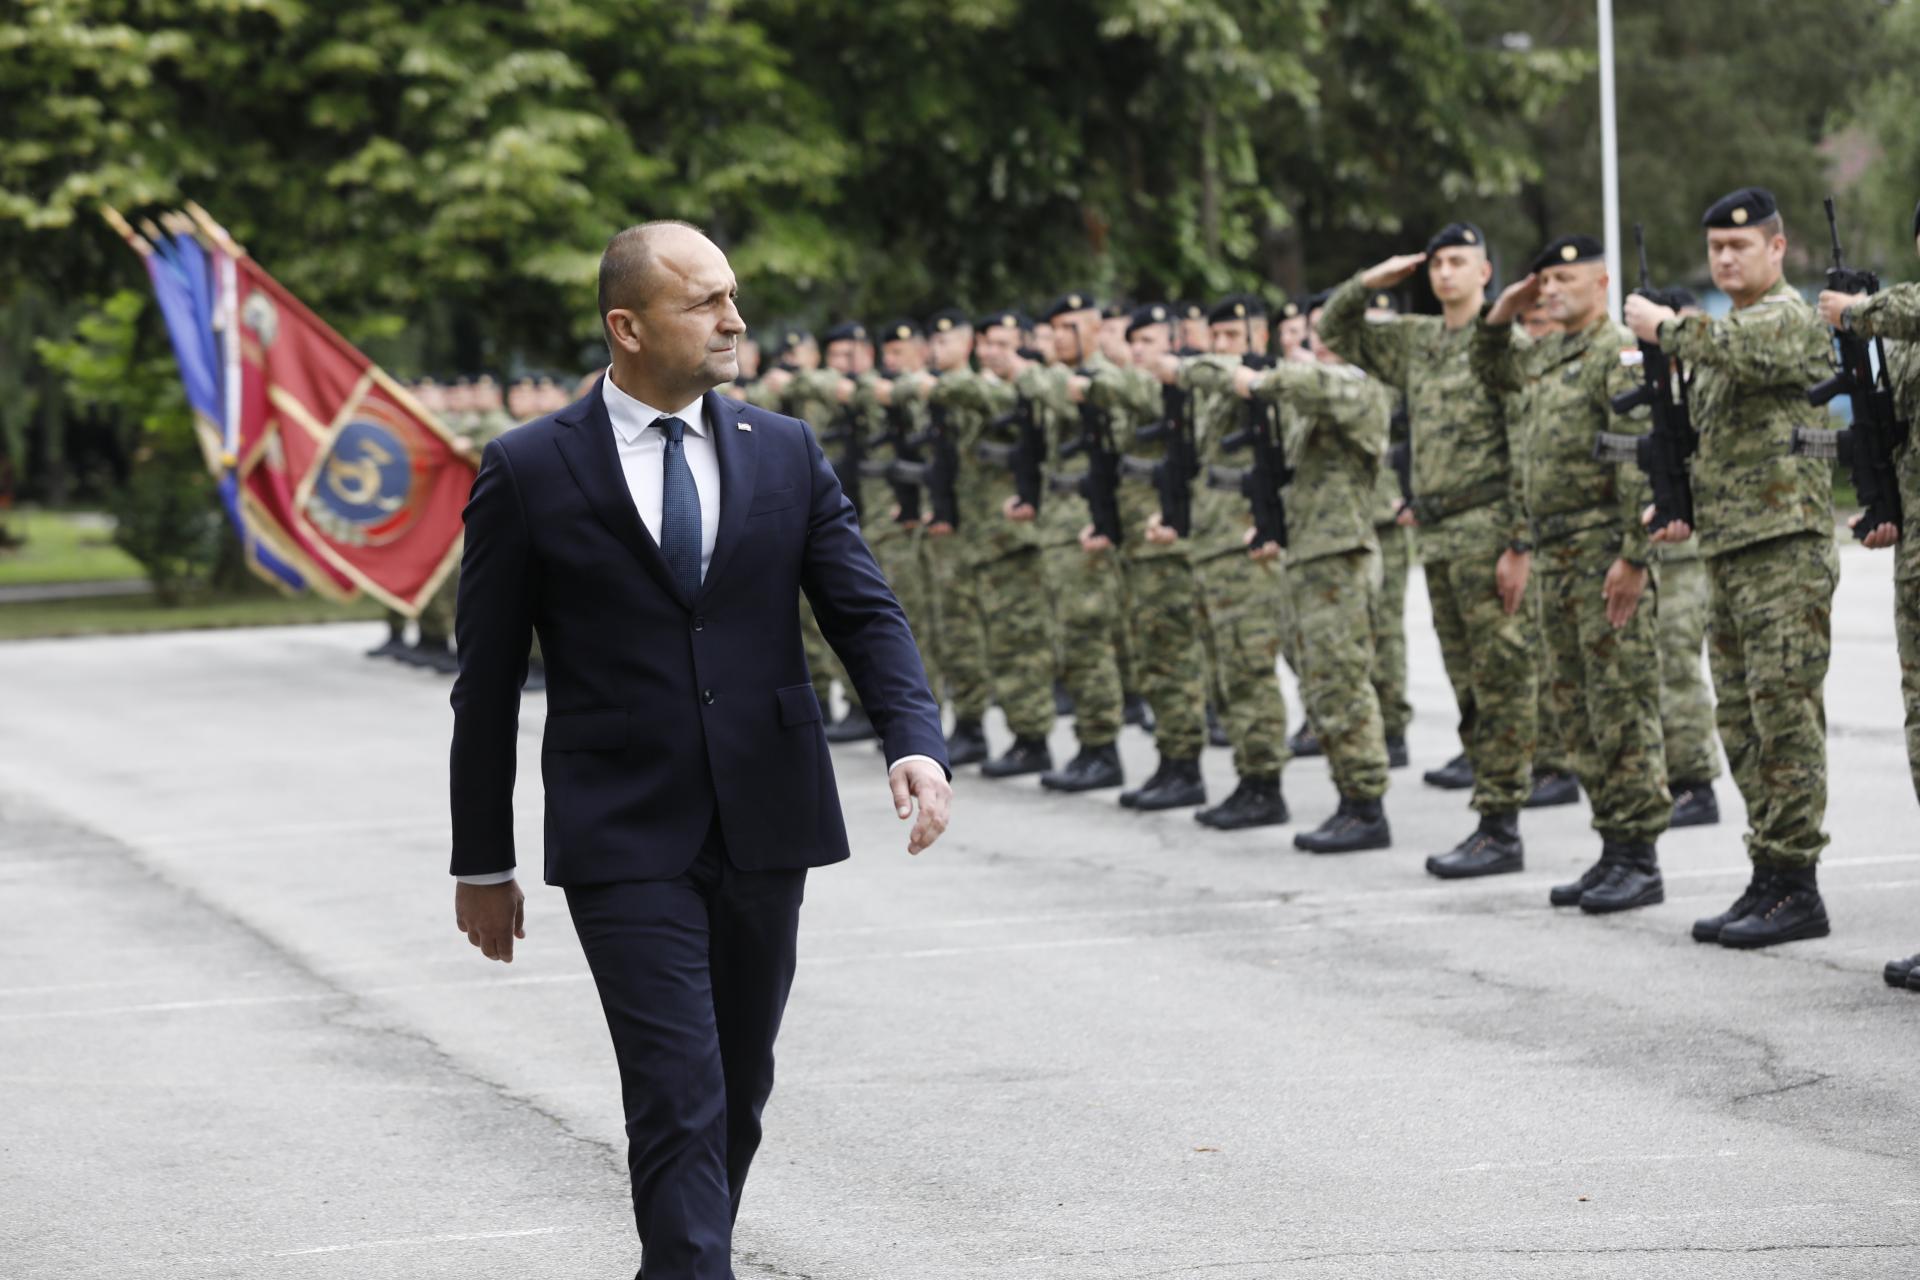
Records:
x=937, y=474
x=849, y=464
x=1024, y=457
x=1261, y=483
x=1867, y=447
x=1663, y=453
x=1400, y=453
x=1172, y=474
x=1100, y=483
x=898, y=471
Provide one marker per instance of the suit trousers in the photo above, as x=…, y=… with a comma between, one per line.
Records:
x=693, y=974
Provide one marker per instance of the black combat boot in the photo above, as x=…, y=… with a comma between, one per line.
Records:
x=1569, y=894
x=1092, y=769
x=1256, y=802
x=1178, y=787
x=1493, y=849
x=1898, y=972
x=1216, y=732
x=1305, y=742
x=1913, y=979
x=434, y=655
x=1396, y=753
x=1708, y=929
x=1026, y=755
x=394, y=646
x=1694, y=805
x=852, y=727
x=968, y=745
x=536, y=681
x=1455, y=775
x=1553, y=787
x=1633, y=880
x=1062, y=700
x=1354, y=826
x=1791, y=911
x=1135, y=711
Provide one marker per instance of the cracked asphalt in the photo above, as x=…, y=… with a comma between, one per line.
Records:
x=243, y=1039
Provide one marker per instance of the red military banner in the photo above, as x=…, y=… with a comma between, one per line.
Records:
x=338, y=455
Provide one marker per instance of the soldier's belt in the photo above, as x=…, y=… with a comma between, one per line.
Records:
x=1817, y=442
x=1431, y=508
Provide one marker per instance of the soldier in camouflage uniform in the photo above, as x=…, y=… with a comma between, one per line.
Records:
x=901, y=546
x=1336, y=435
x=1686, y=703
x=1393, y=528
x=1592, y=564
x=1085, y=585
x=1473, y=531
x=1765, y=523
x=1893, y=315
x=1240, y=586
x=999, y=551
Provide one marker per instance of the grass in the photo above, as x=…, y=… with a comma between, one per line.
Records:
x=61, y=547
x=122, y=615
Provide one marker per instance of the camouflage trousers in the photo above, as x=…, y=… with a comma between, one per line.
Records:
x=1012, y=591
x=1686, y=703
x=1602, y=692
x=1245, y=613
x=1335, y=599
x=1550, y=750
x=963, y=639
x=1769, y=643
x=902, y=558
x=1489, y=659
x=1086, y=590
x=1168, y=664
x=1906, y=630
x=1389, y=619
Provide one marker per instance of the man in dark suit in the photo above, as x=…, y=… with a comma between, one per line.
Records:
x=656, y=536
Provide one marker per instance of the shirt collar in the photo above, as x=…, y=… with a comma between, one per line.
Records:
x=631, y=417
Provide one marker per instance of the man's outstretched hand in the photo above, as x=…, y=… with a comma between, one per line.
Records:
x=919, y=780
x=492, y=916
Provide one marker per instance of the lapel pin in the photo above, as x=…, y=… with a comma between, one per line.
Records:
x=744, y=426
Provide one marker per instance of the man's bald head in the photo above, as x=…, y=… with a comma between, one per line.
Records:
x=631, y=266
x=667, y=307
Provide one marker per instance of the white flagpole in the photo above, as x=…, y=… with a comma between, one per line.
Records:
x=1609, y=159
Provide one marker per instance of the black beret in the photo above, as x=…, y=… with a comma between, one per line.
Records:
x=1382, y=301
x=1066, y=302
x=1116, y=310
x=1006, y=316
x=1314, y=301
x=847, y=331
x=1194, y=311
x=1458, y=233
x=1290, y=310
x=1256, y=305
x=900, y=330
x=1229, y=309
x=948, y=318
x=1741, y=208
x=791, y=338
x=1155, y=313
x=1568, y=250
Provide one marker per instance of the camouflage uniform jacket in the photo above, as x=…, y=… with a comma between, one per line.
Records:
x=1336, y=434
x=1132, y=397
x=1465, y=486
x=1568, y=382
x=1062, y=515
x=1894, y=314
x=1750, y=374
x=1220, y=518
x=968, y=402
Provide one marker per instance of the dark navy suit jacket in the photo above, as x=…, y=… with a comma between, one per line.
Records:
x=662, y=710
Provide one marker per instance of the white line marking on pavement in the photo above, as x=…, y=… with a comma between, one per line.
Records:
x=402, y=1242
x=1488, y=1166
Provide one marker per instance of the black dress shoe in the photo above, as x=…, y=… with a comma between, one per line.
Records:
x=1026, y=755
x=1569, y=894
x=1791, y=912
x=968, y=745
x=1632, y=881
x=1396, y=753
x=852, y=727
x=1092, y=769
x=1694, y=805
x=1493, y=849
x=1455, y=775
x=1176, y=784
x=1216, y=732
x=1553, y=787
x=1135, y=711
x=1708, y=929
x=1256, y=802
x=1355, y=826
x=1898, y=972
x=536, y=681
x=1305, y=743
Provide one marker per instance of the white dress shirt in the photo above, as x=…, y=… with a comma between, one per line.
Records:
x=641, y=447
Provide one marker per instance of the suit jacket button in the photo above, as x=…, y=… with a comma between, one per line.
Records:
x=699, y=624
x=706, y=696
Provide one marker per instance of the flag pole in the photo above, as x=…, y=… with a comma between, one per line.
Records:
x=113, y=218
x=1609, y=159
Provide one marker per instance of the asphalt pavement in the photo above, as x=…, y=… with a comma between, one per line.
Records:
x=240, y=1036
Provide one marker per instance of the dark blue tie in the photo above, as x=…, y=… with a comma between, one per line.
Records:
x=679, y=511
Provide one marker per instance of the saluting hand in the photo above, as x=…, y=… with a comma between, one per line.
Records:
x=1386, y=274
x=918, y=780
x=1514, y=299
